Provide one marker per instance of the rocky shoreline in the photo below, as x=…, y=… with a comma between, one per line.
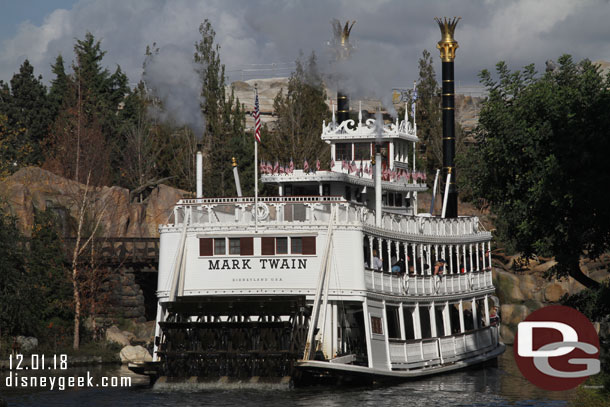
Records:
x=522, y=289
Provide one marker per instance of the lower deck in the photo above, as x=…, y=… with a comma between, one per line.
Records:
x=266, y=336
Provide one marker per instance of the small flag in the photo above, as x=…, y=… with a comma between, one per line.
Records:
x=291, y=166
x=257, y=119
x=306, y=167
x=276, y=168
x=317, y=165
x=263, y=167
x=332, y=164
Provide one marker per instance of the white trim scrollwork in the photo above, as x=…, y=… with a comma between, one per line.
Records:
x=262, y=211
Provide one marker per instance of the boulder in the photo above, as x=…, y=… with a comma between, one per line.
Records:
x=507, y=287
x=134, y=354
x=507, y=334
x=26, y=343
x=33, y=188
x=512, y=314
x=544, y=267
x=114, y=334
x=528, y=286
x=553, y=292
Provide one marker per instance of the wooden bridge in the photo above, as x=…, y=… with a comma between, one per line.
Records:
x=140, y=252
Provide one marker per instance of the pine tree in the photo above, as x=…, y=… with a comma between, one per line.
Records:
x=58, y=92
x=28, y=108
x=300, y=110
x=429, y=123
x=225, y=120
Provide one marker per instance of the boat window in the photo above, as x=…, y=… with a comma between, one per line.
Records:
x=326, y=189
x=281, y=245
x=220, y=246
x=296, y=245
x=362, y=151
x=343, y=151
x=424, y=317
x=408, y=316
x=309, y=245
x=454, y=317
x=234, y=246
x=440, y=326
x=376, y=325
x=206, y=247
x=393, y=322
x=267, y=246
x=246, y=246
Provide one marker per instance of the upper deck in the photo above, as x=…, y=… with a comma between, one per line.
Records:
x=314, y=212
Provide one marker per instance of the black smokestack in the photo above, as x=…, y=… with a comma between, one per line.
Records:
x=447, y=45
x=342, y=107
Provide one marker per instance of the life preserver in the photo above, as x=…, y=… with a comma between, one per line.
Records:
x=437, y=283
x=262, y=211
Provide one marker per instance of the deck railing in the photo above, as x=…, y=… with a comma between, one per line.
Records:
x=313, y=210
x=433, y=351
x=427, y=285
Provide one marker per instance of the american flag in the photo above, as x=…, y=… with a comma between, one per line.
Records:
x=332, y=164
x=318, y=165
x=257, y=119
x=291, y=166
x=306, y=166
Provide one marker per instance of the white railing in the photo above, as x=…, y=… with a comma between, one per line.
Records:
x=393, y=283
x=314, y=209
x=416, y=353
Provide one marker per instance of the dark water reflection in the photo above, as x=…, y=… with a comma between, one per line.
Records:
x=502, y=385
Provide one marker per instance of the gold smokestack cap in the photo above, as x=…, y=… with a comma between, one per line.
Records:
x=447, y=45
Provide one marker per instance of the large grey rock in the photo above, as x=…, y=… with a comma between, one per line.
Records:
x=114, y=334
x=26, y=343
x=134, y=354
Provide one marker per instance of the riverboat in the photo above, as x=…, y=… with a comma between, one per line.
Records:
x=338, y=277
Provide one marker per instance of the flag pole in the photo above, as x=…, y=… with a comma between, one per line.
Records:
x=256, y=163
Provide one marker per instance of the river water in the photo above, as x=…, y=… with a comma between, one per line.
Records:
x=501, y=385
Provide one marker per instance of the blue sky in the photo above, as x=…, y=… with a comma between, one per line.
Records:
x=390, y=34
x=15, y=12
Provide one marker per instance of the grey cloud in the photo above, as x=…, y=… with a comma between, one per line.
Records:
x=390, y=34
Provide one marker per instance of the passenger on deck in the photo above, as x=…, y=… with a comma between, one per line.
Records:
x=377, y=263
x=439, y=267
x=395, y=265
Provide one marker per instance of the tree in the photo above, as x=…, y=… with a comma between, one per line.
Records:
x=300, y=111
x=46, y=264
x=429, y=124
x=540, y=162
x=27, y=110
x=18, y=307
x=225, y=120
x=60, y=86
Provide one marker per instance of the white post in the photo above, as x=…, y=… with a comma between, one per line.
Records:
x=199, y=174
x=434, y=191
x=446, y=195
x=236, y=176
x=378, y=189
x=255, y=185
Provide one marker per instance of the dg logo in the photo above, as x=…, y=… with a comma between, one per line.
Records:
x=556, y=348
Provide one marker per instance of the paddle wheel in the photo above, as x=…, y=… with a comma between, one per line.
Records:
x=233, y=338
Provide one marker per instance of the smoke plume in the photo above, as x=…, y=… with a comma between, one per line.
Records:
x=174, y=78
